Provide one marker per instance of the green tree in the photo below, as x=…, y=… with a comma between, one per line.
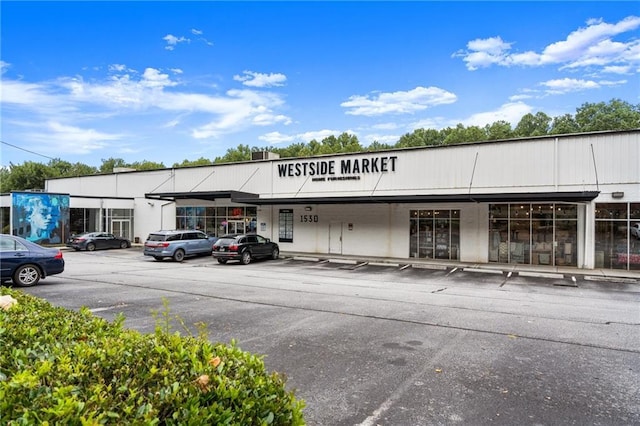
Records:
x=348, y=143
x=233, y=155
x=378, y=146
x=61, y=168
x=290, y=151
x=28, y=175
x=312, y=148
x=564, y=124
x=420, y=137
x=462, y=134
x=199, y=162
x=111, y=163
x=533, y=125
x=5, y=175
x=146, y=165
x=615, y=115
x=498, y=130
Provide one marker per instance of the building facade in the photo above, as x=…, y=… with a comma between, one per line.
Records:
x=567, y=200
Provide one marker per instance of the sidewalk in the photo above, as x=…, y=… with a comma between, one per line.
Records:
x=541, y=270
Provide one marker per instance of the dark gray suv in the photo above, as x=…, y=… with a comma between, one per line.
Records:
x=178, y=244
x=244, y=248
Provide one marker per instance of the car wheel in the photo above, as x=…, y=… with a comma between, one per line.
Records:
x=91, y=247
x=26, y=276
x=275, y=254
x=246, y=257
x=158, y=258
x=178, y=256
x=124, y=245
x=222, y=261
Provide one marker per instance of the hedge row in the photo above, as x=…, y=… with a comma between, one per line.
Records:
x=64, y=367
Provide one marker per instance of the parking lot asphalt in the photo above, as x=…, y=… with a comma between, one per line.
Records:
x=394, y=344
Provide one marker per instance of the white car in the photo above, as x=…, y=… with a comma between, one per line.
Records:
x=635, y=230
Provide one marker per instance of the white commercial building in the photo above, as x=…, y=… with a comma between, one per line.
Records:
x=570, y=200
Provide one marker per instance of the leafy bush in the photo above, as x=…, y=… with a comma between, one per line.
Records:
x=65, y=367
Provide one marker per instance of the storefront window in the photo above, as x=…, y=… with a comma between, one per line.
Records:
x=617, y=236
x=217, y=221
x=83, y=220
x=434, y=234
x=285, y=226
x=539, y=234
x=5, y=219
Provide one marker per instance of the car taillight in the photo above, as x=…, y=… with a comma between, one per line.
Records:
x=58, y=255
x=233, y=247
x=164, y=245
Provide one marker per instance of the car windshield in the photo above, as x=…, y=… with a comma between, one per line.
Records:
x=155, y=237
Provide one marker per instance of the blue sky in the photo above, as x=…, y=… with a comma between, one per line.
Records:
x=169, y=81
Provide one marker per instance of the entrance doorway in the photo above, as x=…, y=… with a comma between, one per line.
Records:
x=235, y=227
x=335, y=237
x=121, y=228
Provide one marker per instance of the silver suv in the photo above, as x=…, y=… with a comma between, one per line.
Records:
x=177, y=244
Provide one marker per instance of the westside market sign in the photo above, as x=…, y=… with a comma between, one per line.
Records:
x=321, y=169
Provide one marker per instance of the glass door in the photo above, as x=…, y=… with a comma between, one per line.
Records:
x=235, y=227
x=121, y=228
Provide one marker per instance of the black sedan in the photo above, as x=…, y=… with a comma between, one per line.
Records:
x=26, y=263
x=244, y=247
x=97, y=240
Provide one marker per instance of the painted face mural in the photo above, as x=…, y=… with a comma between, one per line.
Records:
x=41, y=218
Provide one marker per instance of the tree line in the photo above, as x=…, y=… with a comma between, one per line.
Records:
x=590, y=117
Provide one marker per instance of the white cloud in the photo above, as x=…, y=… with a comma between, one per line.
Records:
x=484, y=52
x=54, y=137
x=318, y=135
x=172, y=123
x=589, y=46
x=117, y=67
x=618, y=69
x=255, y=79
x=155, y=79
x=511, y=112
x=37, y=98
x=4, y=66
x=269, y=119
x=273, y=138
x=520, y=97
x=385, y=126
x=173, y=41
x=368, y=139
x=568, y=85
x=401, y=102
x=200, y=33
x=73, y=100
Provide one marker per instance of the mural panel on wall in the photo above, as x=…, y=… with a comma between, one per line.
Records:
x=41, y=218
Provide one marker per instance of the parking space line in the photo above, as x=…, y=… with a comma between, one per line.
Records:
x=483, y=270
x=540, y=274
